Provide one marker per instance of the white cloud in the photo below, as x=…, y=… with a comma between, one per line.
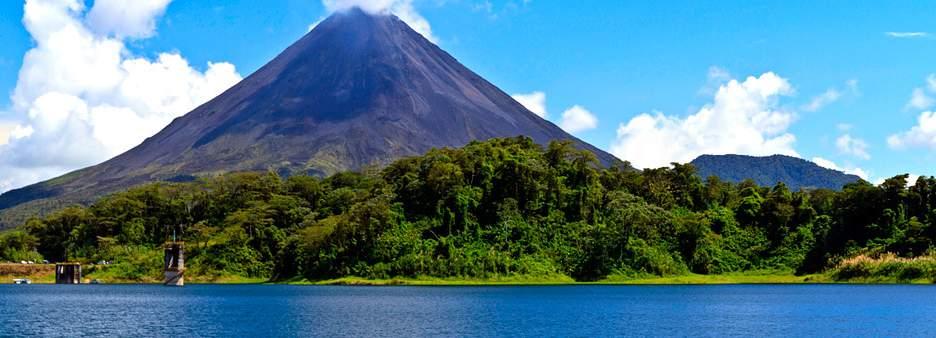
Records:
x=401, y=8
x=6, y=131
x=829, y=96
x=919, y=99
x=118, y=18
x=905, y=35
x=848, y=170
x=314, y=24
x=849, y=145
x=575, y=119
x=911, y=180
x=715, y=77
x=370, y=6
x=484, y=6
x=82, y=97
x=921, y=135
x=718, y=74
x=578, y=119
x=534, y=102
x=931, y=83
x=828, y=164
x=852, y=86
x=745, y=118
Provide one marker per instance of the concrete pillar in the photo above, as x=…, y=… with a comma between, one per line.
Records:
x=174, y=264
x=67, y=273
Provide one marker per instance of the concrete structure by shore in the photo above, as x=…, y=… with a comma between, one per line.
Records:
x=174, y=264
x=67, y=273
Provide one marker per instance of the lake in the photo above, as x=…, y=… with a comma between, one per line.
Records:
x=582, y=311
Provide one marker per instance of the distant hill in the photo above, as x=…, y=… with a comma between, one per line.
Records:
x=796, y=173
x=358, y=90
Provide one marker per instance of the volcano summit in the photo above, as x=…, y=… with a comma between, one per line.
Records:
x=357, y=90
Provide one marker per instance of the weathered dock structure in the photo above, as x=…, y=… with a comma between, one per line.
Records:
x=174, y=264
x=67, y=273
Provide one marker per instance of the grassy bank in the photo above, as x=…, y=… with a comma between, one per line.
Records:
x=738, y=278
x=435, y=281
x=886, y=268
x=730, y=278
x=106, y=278
x=45, y=274
x=691, y=279
x=38, y=273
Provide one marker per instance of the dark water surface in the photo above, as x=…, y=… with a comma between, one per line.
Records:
x=583, y=311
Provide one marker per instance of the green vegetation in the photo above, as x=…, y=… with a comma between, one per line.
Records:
x=887, y=268
x=446, y=281
x=18, y=246
x=500, y=211
x=796, y=173
x=755, y=277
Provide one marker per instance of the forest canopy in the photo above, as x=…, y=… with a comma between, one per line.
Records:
x=503, y=207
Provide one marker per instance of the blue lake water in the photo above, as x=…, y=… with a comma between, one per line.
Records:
x=582, y=311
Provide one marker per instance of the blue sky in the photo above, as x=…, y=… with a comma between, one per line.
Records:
x=833, y=80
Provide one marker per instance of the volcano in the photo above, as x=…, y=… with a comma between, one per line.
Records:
x=358, y=90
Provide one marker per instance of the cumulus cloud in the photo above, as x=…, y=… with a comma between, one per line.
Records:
x=82, y=97
x=848, y=170
x=849, y=145
x=715, y=78
x=534, y=102
x=117, y=18
x=573, y=120
x=577, y=119
x=921, y=97
x=6, y=130
x=921, y=135
x=401, y=8
x=745, y=118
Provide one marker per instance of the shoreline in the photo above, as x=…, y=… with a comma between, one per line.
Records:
x=559, y=280
x=673, y=280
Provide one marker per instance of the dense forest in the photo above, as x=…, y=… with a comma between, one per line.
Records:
x=796, y=173
x=503, y=207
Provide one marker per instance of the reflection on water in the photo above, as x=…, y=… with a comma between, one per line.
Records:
x=278, y=310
